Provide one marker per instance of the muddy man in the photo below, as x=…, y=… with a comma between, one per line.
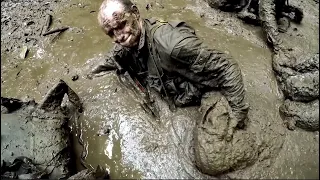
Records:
x=273, y=15
x=169, y=58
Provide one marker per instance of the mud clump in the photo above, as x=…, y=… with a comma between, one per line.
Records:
x=302, y=87
x=214, y=154
x=302, y=115
x=299, y=80
x=40, y=133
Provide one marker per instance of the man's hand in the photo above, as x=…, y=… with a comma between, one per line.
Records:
x=233, y=122
x=93, y=75
x=232, y=125
x=103, y=67
x=282, y=60
x=238, y=119
x=100, y=70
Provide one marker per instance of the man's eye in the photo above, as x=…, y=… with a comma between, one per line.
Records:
x=123, y=23
x=110, y=33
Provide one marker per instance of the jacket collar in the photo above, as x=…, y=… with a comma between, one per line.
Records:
x=142, y=37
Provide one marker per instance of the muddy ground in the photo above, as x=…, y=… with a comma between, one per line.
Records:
x=53, y=57
x=41, y=139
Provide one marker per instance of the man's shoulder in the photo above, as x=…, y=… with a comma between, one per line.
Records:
x=169, y=34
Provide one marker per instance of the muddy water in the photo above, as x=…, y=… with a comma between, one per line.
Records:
x=80, y=46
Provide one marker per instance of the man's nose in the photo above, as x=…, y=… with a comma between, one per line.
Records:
x=119, y=37
x=117, y=32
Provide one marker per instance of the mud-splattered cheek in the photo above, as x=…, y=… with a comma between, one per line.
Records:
x=134, y=27
x=127, y=30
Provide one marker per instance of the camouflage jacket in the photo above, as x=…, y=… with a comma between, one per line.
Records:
x=187, y=67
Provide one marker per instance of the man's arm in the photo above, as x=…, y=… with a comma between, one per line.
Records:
x=108, y=62
x=267, y=15
x=221, y=70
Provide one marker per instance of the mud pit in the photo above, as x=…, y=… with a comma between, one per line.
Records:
x=137, y=146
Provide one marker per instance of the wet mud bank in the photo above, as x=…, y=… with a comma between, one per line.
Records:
x=36, y=140
x=123, y=139
x=40, y=136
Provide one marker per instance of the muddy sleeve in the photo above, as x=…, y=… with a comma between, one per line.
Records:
x=267, y=14
x=218, y=69
x=107, y=63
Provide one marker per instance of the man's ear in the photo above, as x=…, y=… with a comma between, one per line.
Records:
x=135, y=10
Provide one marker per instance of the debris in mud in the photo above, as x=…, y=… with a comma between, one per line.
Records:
x=24, y=52
x=75, y=77
x=105, y=130
x=17, y=75
x=22, y=168
x=283, y=24
x=60, y=30
x=148, y=6
x=99, y=173
x=22, y=23
x=83, y=6
x=47, y=24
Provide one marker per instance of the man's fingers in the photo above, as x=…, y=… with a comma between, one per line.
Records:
x=229, y=135
x=232, y=125
x=93, y=75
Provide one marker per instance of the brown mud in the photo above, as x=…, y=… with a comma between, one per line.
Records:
x=136, y=145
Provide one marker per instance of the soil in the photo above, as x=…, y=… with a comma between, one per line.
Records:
x=24, y=22
x=43, y=140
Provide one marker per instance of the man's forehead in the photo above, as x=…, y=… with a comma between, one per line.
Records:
x=112, y=8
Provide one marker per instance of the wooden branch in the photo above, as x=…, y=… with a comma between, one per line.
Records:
x=46, y=26
x=56, y=30
x=48, y=22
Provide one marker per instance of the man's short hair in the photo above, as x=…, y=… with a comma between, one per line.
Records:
x=127, y=4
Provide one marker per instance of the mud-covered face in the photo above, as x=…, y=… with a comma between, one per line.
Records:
x=123, y=27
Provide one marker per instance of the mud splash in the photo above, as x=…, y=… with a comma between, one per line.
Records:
x=119, y=151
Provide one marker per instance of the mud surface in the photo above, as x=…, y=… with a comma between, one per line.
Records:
x=38, y=135
x=26, y=27
x=138, y=146
x=301, y=114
